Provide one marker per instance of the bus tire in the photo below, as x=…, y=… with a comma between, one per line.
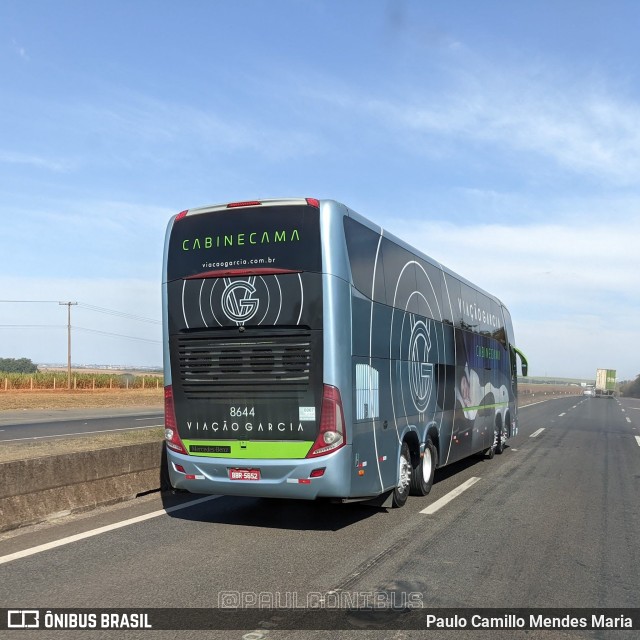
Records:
x=423, y=472
x=501, y=436
x=401, y=491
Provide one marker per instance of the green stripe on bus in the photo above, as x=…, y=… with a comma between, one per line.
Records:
x=264, y=449
x=486, y=406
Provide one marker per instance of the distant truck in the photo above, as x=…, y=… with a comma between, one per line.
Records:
x=605, y=382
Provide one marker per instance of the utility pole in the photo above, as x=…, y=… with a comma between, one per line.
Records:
x=68, y=305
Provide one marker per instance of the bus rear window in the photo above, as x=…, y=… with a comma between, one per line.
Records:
x=282, y=237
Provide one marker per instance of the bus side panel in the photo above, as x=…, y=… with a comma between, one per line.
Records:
x=446, y=381
x=483, y=394
x=337, y=351
x=510, y=338
x=369, y=462
x=402, y=347
x=411, y=391
x=419, y=344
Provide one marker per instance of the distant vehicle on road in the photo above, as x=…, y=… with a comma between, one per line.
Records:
x=310, y=354
x=605, y=383
x=588, y=391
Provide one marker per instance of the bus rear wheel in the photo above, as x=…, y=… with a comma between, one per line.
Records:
x=489, y=453
x=423, y=472
x=401, y=492
x=501, y=437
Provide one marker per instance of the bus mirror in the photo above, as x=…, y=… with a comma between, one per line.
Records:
x=523, y=362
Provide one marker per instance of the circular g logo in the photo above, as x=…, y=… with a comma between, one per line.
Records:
x=238, y=303
x=420, y=369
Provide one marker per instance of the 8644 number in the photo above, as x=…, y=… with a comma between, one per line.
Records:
x=239, y=412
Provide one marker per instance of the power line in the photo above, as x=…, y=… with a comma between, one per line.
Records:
x=74, y=328
x=118, y=335
x=33, y=326
x=89, y=307
x=120, y=314
x=92, y=307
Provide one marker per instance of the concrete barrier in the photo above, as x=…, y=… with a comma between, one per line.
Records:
x=39, y=489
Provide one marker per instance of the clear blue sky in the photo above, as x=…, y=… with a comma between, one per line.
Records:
x=502, y=138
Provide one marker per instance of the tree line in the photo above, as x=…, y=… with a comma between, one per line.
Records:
x=17, y=365
x=631, y=389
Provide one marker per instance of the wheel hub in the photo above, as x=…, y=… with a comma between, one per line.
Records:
x=405, y=474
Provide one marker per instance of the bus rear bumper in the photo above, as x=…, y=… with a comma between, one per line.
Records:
x=277, y=478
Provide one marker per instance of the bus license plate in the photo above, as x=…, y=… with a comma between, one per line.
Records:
x=244, y=474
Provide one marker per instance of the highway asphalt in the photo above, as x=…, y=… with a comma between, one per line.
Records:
x=32, y=425
x=552, y=522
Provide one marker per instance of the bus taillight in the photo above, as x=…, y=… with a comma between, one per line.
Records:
x=332, y=433
x=171, y=436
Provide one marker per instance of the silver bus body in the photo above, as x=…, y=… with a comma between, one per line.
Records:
x=417, y=354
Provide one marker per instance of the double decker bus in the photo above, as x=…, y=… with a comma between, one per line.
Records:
x=310, y=354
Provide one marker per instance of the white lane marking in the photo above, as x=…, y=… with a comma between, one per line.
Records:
x=96, y=532
x=83, y=433
x=535, y=434
x=628, y=419
x=638, y=440
x=561, y=414
x=438, y=504
x=151, y=418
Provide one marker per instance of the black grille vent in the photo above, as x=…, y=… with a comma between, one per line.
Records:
x=224, y=366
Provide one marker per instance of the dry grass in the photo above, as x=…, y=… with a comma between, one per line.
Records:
x=81, y=399
x=530, y=393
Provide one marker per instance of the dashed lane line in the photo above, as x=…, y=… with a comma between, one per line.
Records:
x=438, y=504
x=535, y=434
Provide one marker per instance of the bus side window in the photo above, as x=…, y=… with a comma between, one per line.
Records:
x=362, y=247
x=400, y=277
x=429, y=283
x=451, y=299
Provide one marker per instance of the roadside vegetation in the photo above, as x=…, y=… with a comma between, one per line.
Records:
x=22, y=386
x=59, y=380
x=17, y=365
x=631, y=389
x=81, y=399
